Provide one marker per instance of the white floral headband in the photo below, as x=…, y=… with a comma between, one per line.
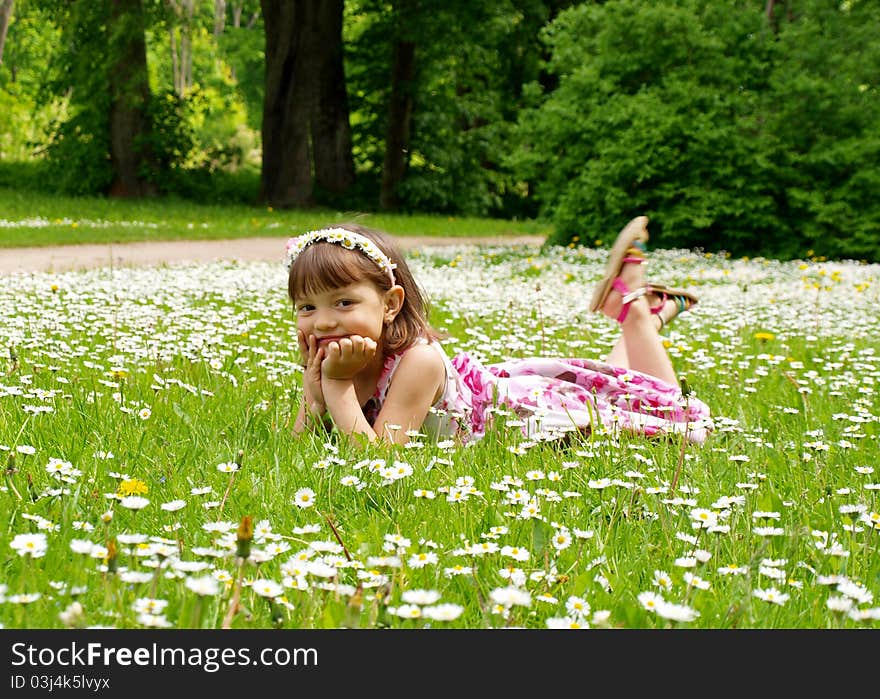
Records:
x=347, y=239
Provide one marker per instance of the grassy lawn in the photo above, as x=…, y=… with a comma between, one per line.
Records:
x=32, y=219
x=145, y=413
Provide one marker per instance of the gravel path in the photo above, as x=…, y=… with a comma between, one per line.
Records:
x=64, y=258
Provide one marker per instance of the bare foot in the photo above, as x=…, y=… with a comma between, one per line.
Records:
x=633, y=277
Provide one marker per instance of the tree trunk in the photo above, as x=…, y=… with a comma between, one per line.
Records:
x=5, y=19
x=331, y=130
x=236, y=15
x=181, y=53
x=130, y=152
x=175, y=61
x=186, y=60
x=403, y=72
x=219, y=17
x=286, y=177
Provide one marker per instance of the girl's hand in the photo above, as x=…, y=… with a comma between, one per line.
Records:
x=313, y=393
x=346, y=357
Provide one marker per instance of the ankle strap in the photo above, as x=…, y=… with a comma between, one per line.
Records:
x=627, y=296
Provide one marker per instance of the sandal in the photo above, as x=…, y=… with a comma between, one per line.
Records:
x=627, y=296
x=629, y=247
x=684, y=300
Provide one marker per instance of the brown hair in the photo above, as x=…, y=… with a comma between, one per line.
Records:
x=324, y=265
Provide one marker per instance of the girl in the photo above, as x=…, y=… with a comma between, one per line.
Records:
x=375, y=367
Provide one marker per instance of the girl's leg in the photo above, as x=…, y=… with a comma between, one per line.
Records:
x=619, y=355
x=641, y=345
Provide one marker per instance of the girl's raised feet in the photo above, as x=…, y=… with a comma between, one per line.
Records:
x=624, y=281
x=628, y=291
x=667, y=303
x=629, y=247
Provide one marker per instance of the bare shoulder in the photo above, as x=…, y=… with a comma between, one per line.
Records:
x=422, y=358
x=421, y=366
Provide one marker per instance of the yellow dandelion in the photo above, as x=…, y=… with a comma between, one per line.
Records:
x=132, y=486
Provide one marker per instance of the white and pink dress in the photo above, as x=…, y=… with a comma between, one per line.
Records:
x=551, y=397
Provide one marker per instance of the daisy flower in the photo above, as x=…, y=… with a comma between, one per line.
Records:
x=676, y=612
x=420, y=560
x=267, y=588
x=662, y=580
x=561, y=540
x=578, y=607
x=510, y=596
x=771, y=595
x=421, y=597
x=33, y=545
x=515, y=552
x=566, y=622
x=650, y=600
x=304, y=497
x=203, y=586
x=443, y=612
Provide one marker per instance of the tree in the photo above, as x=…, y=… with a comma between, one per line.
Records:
x=305, y=115
x=181, y=48
x=400, y=102
x=5, y=17
x=130, y=127
x=732, y=130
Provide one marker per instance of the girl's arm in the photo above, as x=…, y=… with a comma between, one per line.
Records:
x=417, y=382
x=312, y=408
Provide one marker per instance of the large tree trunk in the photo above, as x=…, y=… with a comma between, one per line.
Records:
x=5, y=19
x=286, y=177
x=403, y=72
x=130, y=152
x=331, y=130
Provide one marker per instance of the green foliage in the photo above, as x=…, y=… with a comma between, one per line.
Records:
x=214, y=113
x=24, y=118
x=205, y=130
x=824, y=109
x=697, y=115
x=79, y=146
x=244, y=53
x=465, y=96
x=730, y=131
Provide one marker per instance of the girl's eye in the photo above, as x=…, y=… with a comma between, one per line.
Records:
x=305, y=308
x=345, y=302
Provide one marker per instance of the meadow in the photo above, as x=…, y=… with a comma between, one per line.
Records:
x=65, y=220
x=151, y=479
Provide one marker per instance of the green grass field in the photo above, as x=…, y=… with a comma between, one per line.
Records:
x=145, y=413
x=30, y=218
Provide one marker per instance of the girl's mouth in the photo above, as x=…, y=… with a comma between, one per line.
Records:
x=323, y=341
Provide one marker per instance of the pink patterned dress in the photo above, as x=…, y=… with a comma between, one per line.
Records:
x=551, y=397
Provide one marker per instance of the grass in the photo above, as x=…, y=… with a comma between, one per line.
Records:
x=145, y=415
x=35, y=219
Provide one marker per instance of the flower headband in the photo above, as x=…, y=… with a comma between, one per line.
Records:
x=347, y=239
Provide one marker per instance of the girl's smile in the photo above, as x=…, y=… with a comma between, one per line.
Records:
x=323, y=341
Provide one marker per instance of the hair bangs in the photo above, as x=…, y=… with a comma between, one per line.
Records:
x=323, y=266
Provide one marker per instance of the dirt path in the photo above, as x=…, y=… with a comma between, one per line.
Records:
x=64, y=258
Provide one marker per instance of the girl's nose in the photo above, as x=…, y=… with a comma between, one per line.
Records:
x=325, y=320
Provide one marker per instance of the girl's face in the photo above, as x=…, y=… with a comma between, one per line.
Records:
x=357, y=309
